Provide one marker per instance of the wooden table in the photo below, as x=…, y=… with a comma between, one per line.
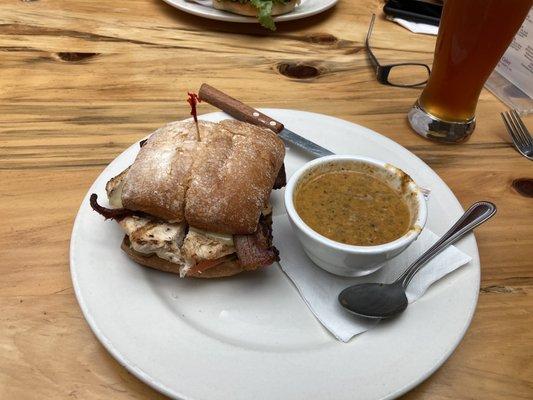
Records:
x=81, y=80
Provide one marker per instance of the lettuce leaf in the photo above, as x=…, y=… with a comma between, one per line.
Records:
x=264, y=13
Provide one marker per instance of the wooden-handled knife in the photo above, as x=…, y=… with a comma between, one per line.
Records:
x=245, y=113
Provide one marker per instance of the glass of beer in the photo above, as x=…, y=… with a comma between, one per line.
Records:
x=473, y=35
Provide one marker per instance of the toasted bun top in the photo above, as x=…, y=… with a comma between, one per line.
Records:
x=220, y=183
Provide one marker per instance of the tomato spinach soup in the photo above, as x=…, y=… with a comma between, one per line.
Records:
x=352, y=207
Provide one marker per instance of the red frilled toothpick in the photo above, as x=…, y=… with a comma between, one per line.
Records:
x=193, y=100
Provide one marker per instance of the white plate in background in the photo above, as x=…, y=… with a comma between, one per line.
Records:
x=306, y=8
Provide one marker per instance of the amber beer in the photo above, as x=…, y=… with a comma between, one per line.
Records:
x=473, y=35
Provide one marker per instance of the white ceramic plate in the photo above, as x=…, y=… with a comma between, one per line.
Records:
x=252, y=336
x=305, y=9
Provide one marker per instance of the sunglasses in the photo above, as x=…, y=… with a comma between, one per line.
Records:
x=400, y=74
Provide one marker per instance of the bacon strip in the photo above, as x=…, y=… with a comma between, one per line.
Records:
x=109, y=213
x=281, y=179
x=256, y=250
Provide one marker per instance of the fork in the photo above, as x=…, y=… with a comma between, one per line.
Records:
x=521, y=137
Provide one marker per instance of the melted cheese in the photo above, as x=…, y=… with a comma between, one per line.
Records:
x=268, y=209
x=219, y=237
x=114, y=189
x=115, y=197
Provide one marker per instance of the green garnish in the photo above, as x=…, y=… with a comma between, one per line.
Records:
x=264, y=13
x=264, y=10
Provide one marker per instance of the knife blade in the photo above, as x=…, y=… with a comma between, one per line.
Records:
x=243, y=112
x=312, y=148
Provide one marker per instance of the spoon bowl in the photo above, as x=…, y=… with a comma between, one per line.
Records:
x=374, y=300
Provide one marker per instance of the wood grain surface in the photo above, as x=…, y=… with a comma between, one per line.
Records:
x=81, y=80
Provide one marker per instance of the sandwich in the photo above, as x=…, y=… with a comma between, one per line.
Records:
x=195, y=201
x=264, y=10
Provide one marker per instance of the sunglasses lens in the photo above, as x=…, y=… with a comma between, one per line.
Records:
x=408, y=75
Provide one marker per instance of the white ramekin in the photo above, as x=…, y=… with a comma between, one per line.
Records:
x=349, y=260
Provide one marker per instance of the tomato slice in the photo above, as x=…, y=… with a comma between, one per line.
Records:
x=207, y=264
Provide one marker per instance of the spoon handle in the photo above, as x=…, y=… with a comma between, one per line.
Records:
x=477, y=214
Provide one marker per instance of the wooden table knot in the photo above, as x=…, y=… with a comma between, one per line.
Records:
x=298, y=70
x=74, y=56
x=500, y=289
x=523, y=186
x=322, y=38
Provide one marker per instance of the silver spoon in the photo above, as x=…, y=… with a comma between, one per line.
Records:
x=385, y=300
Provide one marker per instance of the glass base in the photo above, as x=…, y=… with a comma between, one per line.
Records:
x=436, y=129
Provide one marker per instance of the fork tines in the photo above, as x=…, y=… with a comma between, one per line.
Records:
x=521, y=137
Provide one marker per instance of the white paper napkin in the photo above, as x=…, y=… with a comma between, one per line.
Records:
x=417, y=27
x=319, y=289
